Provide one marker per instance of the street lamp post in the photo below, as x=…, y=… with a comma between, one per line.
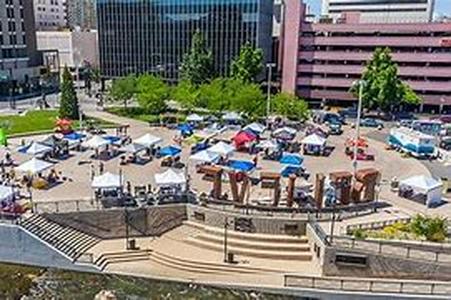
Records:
x=268, y=100
x=361, y=84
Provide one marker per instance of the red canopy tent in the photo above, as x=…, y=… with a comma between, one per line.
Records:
x=361, y=142
x=242, y=138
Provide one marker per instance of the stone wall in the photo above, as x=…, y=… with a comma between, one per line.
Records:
x=109, y=224
x=243, y=222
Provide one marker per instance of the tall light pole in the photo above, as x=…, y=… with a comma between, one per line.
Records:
x=268, y=100
x=361, y=84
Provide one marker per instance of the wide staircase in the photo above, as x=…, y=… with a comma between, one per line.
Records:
x=278, y=247
x=108, y=258
x=71, y=242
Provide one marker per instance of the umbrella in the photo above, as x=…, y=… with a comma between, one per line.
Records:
x=268, y=144
x=205, y=156
x=256, y=128
x=222, y=148
x=96, y=142
x=315, y=140
x=107, y=181
x=194, y=118
x=148, y=140
x=292, y=160
x=231, y=116
x=36, y=148
x=34, y=166
x=170, y=151
x=170, y=177
x=133, y=148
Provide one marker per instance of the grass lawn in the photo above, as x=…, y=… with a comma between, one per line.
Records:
x=35, y=121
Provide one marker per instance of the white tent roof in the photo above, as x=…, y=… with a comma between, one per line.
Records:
x=107, y=181
x=205, y=156
x=133, y=148
x=6, y=192
x=231, y=116
x=148, y=140
x=34, y=166
x=285, y=129
x=194, y=118
x=38, y=148
x=95, y=142
x=170, y=177
x=422, y=183
x=222, y=148
x=256, y=127
x=268, y=144
x=314, y=139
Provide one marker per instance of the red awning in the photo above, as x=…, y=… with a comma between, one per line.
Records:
x=243, y=137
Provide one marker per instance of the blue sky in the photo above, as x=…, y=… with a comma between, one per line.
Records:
x=441, y=6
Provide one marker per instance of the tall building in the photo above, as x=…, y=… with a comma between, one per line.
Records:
x=322, y=61
x=381, y=11
x=18, y=55
x=153, y=36
x=82, y=14
x=50, y=14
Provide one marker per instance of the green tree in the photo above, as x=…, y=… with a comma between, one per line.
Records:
x=186, y=94
x=152, y=94
x=213, y=95
x=383, y=89
x=248, y=64
x=197, y=66
x=244, y=97
x=123, y=89
x=69, y=102
x=290, y=106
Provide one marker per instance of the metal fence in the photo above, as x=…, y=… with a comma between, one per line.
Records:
x=369, y=285
x=62, y=206
x=376, y=225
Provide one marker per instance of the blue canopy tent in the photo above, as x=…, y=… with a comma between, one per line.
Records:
x=169, y=151
x=185, y=129
x=292, y=160
x=288, y=170
x=75, y=136
x=241, y=165
x=112, y=139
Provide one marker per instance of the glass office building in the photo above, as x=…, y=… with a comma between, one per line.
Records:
x=137, y=36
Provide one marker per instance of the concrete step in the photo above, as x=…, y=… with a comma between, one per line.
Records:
x=120, y=257
x=238, y=250
x=248, y=236
x=254, y=244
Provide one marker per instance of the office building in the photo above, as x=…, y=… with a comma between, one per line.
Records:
x=18, y=55
x=321, y=61
x=381, y=11
x=81, y=14
x=153, y=36
x=50, y=14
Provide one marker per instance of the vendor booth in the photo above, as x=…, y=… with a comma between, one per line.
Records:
x=205, y=157
x=232, y=118
x=34, y=166
x=108, y=189
x=255, y=128
x=172, y=186
x=194, y=118
x=36, y=149
x=243, y=138
x=222, y=149
x=148, y=140
x=422, y=189
x=314, y=144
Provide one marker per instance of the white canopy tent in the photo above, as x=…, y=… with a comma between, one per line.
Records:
x=194, y=118
x=34, y=166
x=256, y=127
x=268, y=144
x=286, y=130
x=96, y=142
x=133, y=148
x=107, y=181
x=425, y=185
x=148, y=140
x=170, y=178
x=7, y=193
x=205, y=156
x=222, y=148
x=37, y=148
x=314, y=140
x=231, y=116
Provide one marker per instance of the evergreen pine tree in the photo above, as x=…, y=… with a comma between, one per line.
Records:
x=69, y=102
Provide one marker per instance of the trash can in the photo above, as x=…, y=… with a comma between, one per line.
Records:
x=131, y=244
x=230, y=257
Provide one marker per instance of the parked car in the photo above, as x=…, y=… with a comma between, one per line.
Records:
x=445, y=143
x=398, y=116
x=327, y=117
x=350, y=112
x=371, y=122
x=446, y=119
x=335, y=128
x=405, y=123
